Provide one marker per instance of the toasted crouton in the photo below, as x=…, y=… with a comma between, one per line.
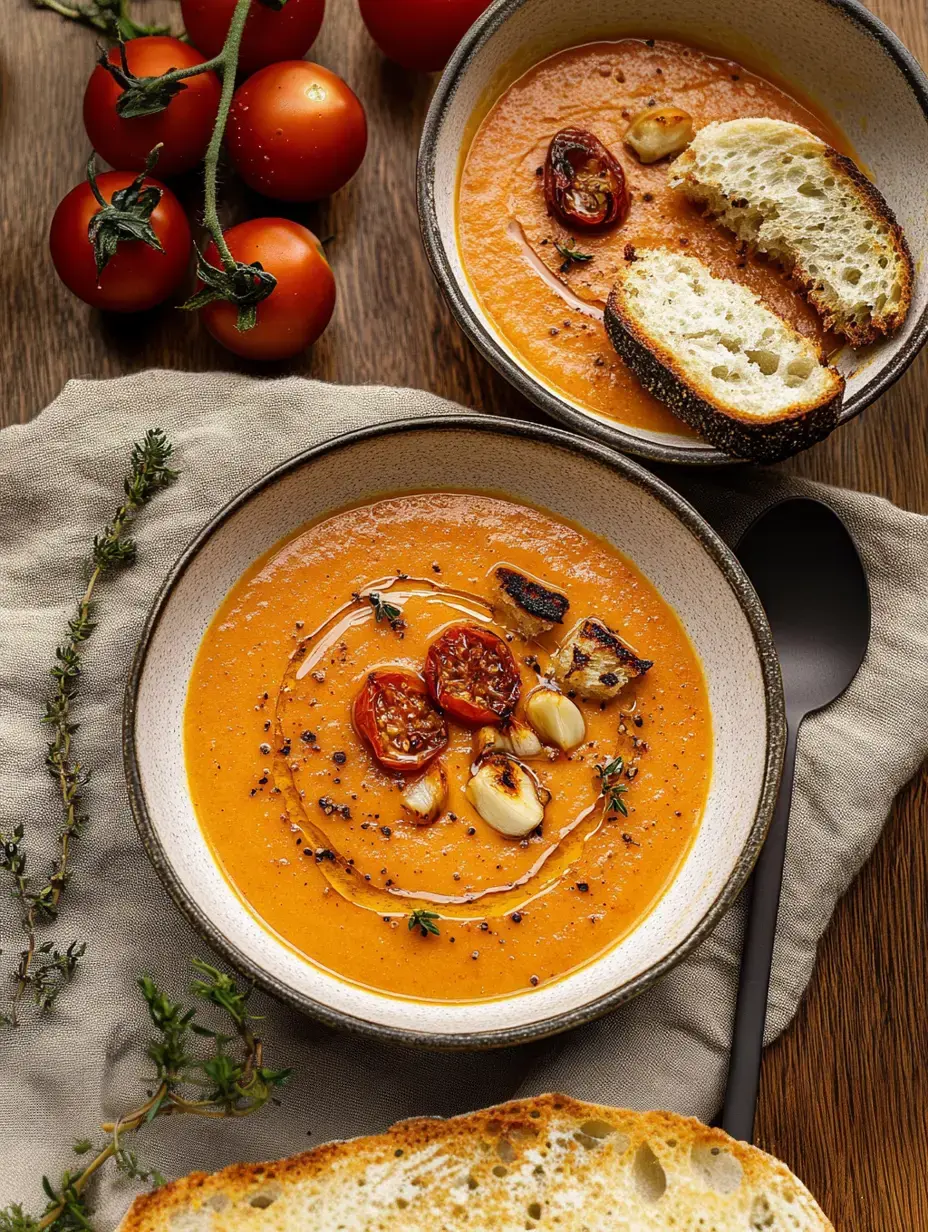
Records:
x=530, y=608
x=547, y=1162
x=719, y=358
x=595, y=663
x=791, y=196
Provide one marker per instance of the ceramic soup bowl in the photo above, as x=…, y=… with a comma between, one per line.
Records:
x=832, y=52
x=670, y=543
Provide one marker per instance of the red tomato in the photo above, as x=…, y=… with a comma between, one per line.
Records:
x=185, y=126
x=584, y=183
x=300, y=306
x=136, y=276
x=395, y=716
x=296, y=131
x=269, y=35
x=420, y=34
x=472, y=676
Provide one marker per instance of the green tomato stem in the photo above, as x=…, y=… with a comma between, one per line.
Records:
x=228, y=60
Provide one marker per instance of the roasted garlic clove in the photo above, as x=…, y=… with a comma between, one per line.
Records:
x=425, y=797
x=505, y=795
x=517, y=738
x=659, y=132
x=555, y=717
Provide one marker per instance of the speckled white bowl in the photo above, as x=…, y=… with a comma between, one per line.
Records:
x=651, y=524
x=833, y=52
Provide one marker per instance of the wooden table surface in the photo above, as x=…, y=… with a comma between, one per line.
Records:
x=845, y=1091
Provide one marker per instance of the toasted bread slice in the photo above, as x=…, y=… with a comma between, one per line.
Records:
x=549, y=1162
x=594, y=662
x=794, y=198
x=719, y=358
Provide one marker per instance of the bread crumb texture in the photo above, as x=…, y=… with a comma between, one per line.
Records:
x=549, y=1162
x=786, y=193
x=719, y=338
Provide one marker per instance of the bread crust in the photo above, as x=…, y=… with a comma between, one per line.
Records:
x=771, y=440
x=858, y=334
x=520, y=1122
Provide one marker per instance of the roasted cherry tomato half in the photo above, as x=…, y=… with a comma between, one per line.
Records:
x=395, y=715
x=472, y=675
x=584, y=184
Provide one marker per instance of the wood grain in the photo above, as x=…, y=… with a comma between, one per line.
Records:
x=845, y=1091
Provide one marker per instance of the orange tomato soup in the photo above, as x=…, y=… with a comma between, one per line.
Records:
x=548, y=308
x=310, y=829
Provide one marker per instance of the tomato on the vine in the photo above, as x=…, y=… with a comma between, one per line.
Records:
x=300, y=306
x=270, y=33
x=183, y=128
x=472, y=676
x=296, y=131
x=137, y=276
x=420, y=34
x=395, y=716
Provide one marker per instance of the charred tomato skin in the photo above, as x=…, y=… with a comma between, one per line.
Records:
x=396, y=693
x=584, y=183
x=472, y=675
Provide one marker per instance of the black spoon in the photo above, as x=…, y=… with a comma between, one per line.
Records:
x=805, y=568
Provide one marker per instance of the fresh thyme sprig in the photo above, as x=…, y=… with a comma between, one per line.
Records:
x=572, y=255
x=611, y=788
x=222, y=1083
x=386, y=611
x=43, y=970
x=425, y=922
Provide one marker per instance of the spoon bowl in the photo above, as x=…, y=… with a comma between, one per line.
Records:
x=805, y=568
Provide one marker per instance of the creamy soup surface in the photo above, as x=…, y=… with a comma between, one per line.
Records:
x=310, y=829
x=549, y=308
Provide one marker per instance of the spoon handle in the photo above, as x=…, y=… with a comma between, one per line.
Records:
x=757, y=955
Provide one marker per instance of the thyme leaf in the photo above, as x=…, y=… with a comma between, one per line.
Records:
x=572, y=255
x=44, y=969
x=611, y=788
x=229, y=1080
x=386, y=611
x=425, y=922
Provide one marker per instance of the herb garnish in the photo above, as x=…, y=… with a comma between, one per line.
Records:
x=43, y=970
x=386, y=611
x=610, y=787
x=220, y=1084
x=572, y=255
x=424, y=921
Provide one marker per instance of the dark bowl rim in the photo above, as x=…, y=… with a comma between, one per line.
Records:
x=721, y=555
x=482, y=337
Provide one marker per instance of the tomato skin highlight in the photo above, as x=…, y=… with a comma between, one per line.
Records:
x=269, y=35
x=300, y=306
x=296, y=132
x=136, y=277
x=472, y=676
x=420, y=34
x=399, y=695
x=184, y=127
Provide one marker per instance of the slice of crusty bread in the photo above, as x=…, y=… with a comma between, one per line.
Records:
x=719, y=358
x=549, y=1162
x=791, y=196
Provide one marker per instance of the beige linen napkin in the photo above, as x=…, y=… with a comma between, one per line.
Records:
x=81, y=1063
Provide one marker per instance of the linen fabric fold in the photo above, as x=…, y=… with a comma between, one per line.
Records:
x=84, y=1062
